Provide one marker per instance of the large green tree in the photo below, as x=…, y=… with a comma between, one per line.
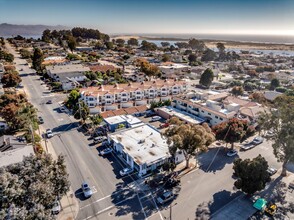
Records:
x=252, y=175
x=233, y=130
x=81, y=111
x=197, y=45
x=188, y=138
x=206, y=78
x=29, y=189
x=73, y=99
x=280, y=120
x=11, y=79
x=72, y=43
x=133, y=42
x=208, y=55
x=37, y=60
x=274, y=83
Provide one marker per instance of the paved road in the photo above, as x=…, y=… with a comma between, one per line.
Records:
x=82, y=159
x=211, y=186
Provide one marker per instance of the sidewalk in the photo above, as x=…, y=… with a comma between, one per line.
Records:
x=69, y=204
x=181, y=167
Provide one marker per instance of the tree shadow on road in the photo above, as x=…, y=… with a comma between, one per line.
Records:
x=66, y=127
x=126, y=201
x=220, y=199
x=215, y=159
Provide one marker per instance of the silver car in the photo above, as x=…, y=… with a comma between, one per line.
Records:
x=86, y=190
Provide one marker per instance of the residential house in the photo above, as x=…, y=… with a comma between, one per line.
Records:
x=12, y=150
x=112, y=97
x=68, y=74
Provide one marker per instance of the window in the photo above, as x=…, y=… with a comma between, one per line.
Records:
x=202, y=111
x=108, y=96
x=216, y=117
x=91, y=99
x=209, y=113
x=124, y=94
x=221, y=119
x=91, y=105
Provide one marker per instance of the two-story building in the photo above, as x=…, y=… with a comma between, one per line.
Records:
x=142, y=148
x=68, y=74
x=112, y=97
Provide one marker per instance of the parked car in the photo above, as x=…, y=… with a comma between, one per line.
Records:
x=126, y=171
x=257, y=140
x=271, y=209
x=150, y=113
x=97, y=140
x=49, y=102
x=271, y=171
x=156, y=118
x=269, y=134
x=40, y=120
x=291, y=185
x=106, y=151
x=56, y=207
x=62, y=109
x=49, y=133
x=164, y=125
x=247, y=146
x=165, y=197
x=86, y=190
x=232, y=153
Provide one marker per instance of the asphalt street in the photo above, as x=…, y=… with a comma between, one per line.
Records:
x=210, y=187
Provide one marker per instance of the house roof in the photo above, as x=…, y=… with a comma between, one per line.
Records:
x=112, y=89
x=67, y=68
x=15, y=156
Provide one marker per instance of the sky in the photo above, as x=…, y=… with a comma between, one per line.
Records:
x=272, y=17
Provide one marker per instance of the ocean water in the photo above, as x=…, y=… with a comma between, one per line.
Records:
x=230, y=37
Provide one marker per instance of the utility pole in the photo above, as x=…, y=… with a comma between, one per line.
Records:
x=33, y=136
x=170, y=210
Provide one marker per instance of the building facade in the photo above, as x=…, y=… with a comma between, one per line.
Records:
x=112, y=97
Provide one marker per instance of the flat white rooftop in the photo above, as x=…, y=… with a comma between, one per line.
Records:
x=143, y=143
x=185, y=116
x=122, y=118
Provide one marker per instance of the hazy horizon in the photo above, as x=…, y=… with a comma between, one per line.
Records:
x=251, y=17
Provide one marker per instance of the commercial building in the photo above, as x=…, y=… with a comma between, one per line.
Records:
x=142, y=148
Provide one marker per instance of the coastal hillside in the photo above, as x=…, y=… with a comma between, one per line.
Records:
x=28, y=30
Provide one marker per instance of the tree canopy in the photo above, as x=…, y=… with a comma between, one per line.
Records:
x=30, y=188
x=197, y=45
x=133, y=42
x=208, y=55
x=188, y=138
x=280, y=120
x=233, y=130
x=251, y=175
x=37, y=59
x=11, y=79
x=206, y=78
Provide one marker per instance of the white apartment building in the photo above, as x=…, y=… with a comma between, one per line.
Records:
x=216, y=108
x=112, y=97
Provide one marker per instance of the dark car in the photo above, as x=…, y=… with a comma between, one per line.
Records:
x=165, y=197
x=40, y=120
x=49, y=102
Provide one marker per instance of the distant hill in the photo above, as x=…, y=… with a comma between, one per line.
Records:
x=26, y=30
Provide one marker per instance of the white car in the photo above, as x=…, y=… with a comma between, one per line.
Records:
x=106, y=151
x=232, y=153
x=86, y=190
x=247, y=146
x=49, y=133
x=99, y=139
x=126, y=171
x=62, y=109
x=56, y=207
x=156, y=118
x=257, y=140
